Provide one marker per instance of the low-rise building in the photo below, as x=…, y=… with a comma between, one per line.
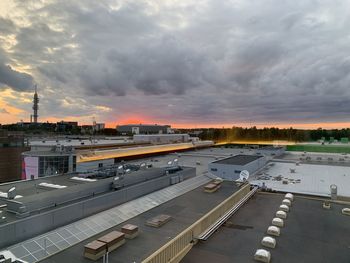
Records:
x=231, y=167
x=143, y=129
x=161, y=138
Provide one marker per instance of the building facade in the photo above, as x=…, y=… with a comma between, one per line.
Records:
x=161, y=138
x=231, y=167
x=12, y=145
x=144, y=129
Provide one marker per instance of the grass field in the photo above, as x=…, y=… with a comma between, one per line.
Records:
x=319, y=148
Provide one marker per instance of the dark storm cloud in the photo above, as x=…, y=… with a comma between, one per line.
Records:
x=214, y=60
x=162, y=66
x=14, y=79
x=6, y=27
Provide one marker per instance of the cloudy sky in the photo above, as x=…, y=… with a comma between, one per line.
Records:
x=186, y=63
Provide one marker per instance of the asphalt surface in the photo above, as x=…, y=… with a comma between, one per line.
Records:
x=184, y=211
x=311, y=234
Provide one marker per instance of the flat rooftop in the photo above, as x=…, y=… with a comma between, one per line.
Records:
x=311, y=234
x=239, y=159
x=184, y=210
x=314, y=179
x=77, y=142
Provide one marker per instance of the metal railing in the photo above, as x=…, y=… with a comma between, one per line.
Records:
x=172, y=250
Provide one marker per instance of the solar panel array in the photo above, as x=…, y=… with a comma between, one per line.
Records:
x=43, y=246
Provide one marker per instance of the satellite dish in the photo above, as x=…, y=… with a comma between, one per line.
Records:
x=127, y=171
x=143, y=165
x=120, y=167
x=175, y=161
x=244, y=175
x=170, y=163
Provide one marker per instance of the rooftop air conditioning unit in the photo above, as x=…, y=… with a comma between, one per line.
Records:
x=284, y=208
x=262, y=255
x=281, y=214
x=273, y=231
x=346, y=211
x=278, y=222
x=286, y=202
x=11, y=193
x=268, y=242
x=289, y=196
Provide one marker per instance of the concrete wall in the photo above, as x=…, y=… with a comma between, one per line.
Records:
x=231, y=172
x=29, y=227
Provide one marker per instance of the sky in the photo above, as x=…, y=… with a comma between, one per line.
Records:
x=189, y=63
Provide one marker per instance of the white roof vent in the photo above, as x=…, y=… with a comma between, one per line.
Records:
x=262, y=255
x=53, y=186
x=273, y=231
x=281, y=214
x=284, y=208
x=277, y=222
x=346, y=211
x=286, y=202
x=289, y=196
x=268, y=242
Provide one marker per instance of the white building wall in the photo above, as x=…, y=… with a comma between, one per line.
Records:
x=93, y=165
x=161, y=138
x=231, y=172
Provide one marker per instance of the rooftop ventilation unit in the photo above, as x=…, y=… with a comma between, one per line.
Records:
x=278, y=222
x=284, y=208
x=286, y=202
x=289, y=196
x=120, y=170
x=346, y=211
x=273, y=231
x=334, y=191
x=76, y=178
x=53, y=186
x=281, y=214
x=262, y=255
x=268, y=242
x=11, y=193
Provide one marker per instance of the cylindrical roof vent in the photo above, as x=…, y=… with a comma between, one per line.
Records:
x=334, y=191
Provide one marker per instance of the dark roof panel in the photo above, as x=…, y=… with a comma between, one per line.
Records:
x=240, y=159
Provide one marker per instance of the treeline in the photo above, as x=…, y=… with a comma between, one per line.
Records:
x=267, y=134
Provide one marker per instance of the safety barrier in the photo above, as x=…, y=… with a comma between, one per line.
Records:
x=175, y=249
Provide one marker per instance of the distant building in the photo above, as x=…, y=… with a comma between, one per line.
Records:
x=86, y=129
x=11, y=147
x=99, y=126
x=55, y=157
x=144, y=129
x=231, y=167
x=161, y=138
x=64, y=126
